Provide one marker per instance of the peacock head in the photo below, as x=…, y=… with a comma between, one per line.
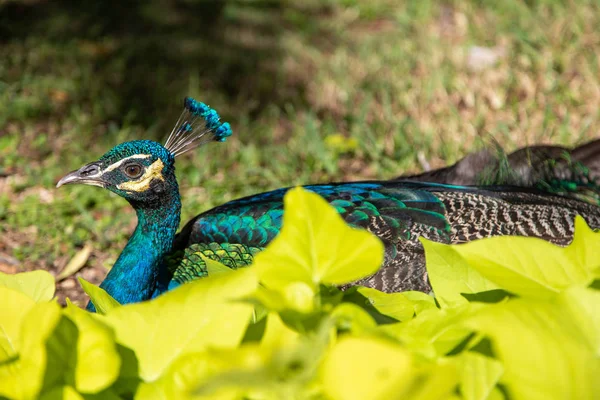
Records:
x=143, y=171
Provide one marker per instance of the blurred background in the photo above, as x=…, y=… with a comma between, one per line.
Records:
x=315, y=90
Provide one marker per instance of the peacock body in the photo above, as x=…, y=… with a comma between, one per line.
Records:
x=156, y=259
x=398, y=213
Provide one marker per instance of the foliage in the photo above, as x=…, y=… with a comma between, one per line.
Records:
x=512, y=318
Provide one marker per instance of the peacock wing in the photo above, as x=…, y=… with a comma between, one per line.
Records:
x=189, y=263
x=388, y=210
x=393, y=212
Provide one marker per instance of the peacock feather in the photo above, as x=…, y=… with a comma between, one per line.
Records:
x=573, y=173
x=156, y=259
x=189, y=263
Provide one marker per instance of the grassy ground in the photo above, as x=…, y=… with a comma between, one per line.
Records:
x=315, y=91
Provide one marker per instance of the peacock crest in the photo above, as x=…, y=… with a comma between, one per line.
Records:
x=198, y=124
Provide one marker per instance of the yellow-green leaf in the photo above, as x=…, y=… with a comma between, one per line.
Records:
x=583, y=304
x=350, y=317
x=450, y=274
x=68, y=392
x=479, y=375
x=315, y=246
x=397, y=305
x=528, y=266
x=273, y=300
x=39, y=285
x=277, y=334
x=100, y=298
x=439, y=382
x=14, y=306
x=299, y=296
x=583, y=247
x=190, y=318
x=434, y=332
x=282, y=365
x=496, y=394
x=296, y=296
x=542, y=350
x=421, y=301
x=95, y=341
x=366, y=368
x=216, y=374
x=62, y=393
x=23, y=378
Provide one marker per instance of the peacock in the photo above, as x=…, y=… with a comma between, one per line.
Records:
x=157, y=259
x=567, y=172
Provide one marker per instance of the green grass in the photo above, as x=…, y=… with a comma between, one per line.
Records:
x=326, y=90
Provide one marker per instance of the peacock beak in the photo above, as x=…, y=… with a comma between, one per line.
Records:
x=89, y=174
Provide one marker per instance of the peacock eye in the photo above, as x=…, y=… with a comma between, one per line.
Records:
x=133, y=170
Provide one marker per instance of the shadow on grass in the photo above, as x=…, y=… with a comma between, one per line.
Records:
x=148, y=53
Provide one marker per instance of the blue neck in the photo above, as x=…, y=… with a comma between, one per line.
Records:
x=135, y=275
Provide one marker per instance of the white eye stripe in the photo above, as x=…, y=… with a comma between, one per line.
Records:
x=116, y=165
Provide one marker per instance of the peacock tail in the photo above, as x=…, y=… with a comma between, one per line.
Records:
x=573, y=173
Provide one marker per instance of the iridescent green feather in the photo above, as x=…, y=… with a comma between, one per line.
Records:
x=188, y=264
